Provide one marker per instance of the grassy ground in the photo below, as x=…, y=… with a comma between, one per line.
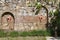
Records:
x=30, y=35
x=23, y=38
x=24, y=34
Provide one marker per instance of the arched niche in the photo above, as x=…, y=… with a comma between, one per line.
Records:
x=37, y=12
x=7, y=20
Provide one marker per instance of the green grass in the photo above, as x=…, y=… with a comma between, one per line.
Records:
x=35, y=33
x=25, y=33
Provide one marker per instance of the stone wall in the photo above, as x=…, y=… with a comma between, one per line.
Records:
x=25, y=21
x=24, y=18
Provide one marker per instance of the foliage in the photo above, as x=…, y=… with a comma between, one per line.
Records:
x=55, y=21
x=37, y=11
x=50, y=14
x=59, y=5
x=37, y=5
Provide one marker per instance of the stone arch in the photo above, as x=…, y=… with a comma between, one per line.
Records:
x=8, y=19
x=8, y=13
x=46, y=13
x=39, y=10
